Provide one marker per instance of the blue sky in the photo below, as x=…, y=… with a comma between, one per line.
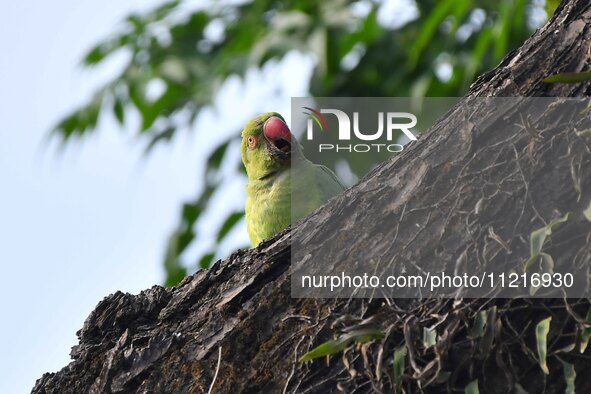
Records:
x=80, y=223
x=73, y=225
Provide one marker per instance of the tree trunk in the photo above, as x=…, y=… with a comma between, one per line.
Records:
x=235, y=327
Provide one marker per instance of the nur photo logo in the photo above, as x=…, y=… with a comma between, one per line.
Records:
x=389, y=126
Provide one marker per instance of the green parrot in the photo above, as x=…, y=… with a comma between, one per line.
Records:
x=275, y=164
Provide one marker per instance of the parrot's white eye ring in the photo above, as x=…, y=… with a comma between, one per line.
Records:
x=252, y=142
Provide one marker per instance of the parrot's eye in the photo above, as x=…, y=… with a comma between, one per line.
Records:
x=252, y=142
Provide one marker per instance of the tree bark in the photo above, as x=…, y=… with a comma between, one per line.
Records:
x=235, y=327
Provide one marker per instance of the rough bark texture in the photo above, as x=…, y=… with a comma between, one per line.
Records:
x=169, y=340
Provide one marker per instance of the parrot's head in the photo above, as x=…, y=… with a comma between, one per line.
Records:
x=267, y=145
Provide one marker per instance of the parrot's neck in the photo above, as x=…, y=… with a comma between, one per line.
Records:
x=269, y=175
x=268, y=180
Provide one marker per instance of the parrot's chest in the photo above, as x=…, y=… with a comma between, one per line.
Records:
x=268, y=207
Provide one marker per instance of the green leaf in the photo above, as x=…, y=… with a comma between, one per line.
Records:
x=570, y=376
x=502, y=30
x=338, y=345
x=96, y=55
x=542, y=330
x=569, y=77
x=587, y=212
x=546, y=266
x=586, y=334
x=429, y=337
x=163, y=135
x=399, y=366
x=152, y=111
x=215, y=158
x=136, y=22
x=119, y=111
x=472, y=387
x=547, y=263
x=428, y=29
x=326, y=349
x=478, y=327
x=489, y=332
x=481, y=49
x=205, y=261
x=184, y=239
x=164, y=9
x=68, y=126
x=191, y=211
x=229, y=224
x=538, y=238
x=174, y=276
x=175, y=271
x=460, y=10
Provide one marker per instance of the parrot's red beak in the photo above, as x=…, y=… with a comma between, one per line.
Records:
x=278, y=134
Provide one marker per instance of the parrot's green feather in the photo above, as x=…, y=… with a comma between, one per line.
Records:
x=271, y=179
